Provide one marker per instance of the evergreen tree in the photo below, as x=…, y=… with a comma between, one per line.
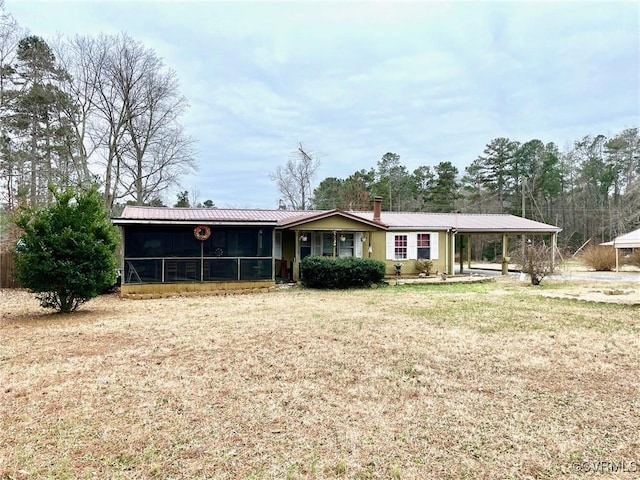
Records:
x=66, y=251
x=328, y=194
x=445, y=190
x=357, y=190
x=422, y=180
x=497, y=164
x=393, y=183
x=182, y=200
x=42, y=136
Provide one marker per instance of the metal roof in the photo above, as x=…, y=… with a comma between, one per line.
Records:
x=313, y=215
x=628, y=240
x=462, y=222
x=135, y=214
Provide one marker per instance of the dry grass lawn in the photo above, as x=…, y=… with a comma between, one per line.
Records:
x=486, y=381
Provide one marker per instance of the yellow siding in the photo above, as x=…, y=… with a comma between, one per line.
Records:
x=378, y=244
x=334, y=223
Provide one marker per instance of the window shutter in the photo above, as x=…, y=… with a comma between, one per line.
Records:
x=357, y=244
x=277, y=246
x=391, y=238
x=412, y=246
x=434, y=245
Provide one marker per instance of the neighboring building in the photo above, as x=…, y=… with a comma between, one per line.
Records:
x=195, y=249
x=628, y=241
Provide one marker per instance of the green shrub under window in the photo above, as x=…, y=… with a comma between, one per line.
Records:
x=343, y=272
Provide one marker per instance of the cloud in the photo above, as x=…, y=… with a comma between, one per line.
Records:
x=431, y=81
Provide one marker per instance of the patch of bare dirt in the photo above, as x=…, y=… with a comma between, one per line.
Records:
x=620, y=296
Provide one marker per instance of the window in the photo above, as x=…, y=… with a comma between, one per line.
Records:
x=412, y=245
x=327, y=244
x=322, y=244
x=305, y=245
x=400, y=247
x=424, y=246
x=345, y=245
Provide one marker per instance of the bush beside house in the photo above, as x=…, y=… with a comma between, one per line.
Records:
x=341, y=272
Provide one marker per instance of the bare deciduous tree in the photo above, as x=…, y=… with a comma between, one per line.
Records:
x=10, y=35
x=81, y=58
x=130, y=116
x=294, y=178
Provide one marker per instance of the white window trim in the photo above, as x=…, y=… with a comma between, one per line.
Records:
x=412, y=245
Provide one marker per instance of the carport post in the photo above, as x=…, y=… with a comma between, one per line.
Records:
x=505, y=259
x=451, y=263
x=462, y=237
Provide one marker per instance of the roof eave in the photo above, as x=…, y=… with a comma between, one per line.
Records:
x=323, y=215
x=422, y=228
x=512, y=231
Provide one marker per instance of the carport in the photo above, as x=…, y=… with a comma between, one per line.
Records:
x=628, y=240
x=504, y=225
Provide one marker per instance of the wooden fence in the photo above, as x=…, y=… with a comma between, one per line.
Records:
x=7, y=269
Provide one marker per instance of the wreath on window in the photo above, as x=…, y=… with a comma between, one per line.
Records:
x=202, y=232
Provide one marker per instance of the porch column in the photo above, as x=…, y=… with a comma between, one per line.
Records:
x=505, y=248
x=469, y=252
x=554, y=246
x=335, y=244
x=296, y=253
x=452, y=249
x=462, y=237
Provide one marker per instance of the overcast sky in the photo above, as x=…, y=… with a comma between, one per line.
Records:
x=431, y=81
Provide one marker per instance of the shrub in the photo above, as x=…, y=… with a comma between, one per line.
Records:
x=66, y=251
x=599, y=257
x=343, y=272
x=534, y=260
x=424, y=266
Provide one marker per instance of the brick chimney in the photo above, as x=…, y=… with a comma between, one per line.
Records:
x=377, y=208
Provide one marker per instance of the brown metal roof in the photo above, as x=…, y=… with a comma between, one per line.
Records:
x=314, y=215
x=505, y=223
x=135, y=214
x=463, y=222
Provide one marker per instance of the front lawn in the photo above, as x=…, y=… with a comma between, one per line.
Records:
x=414, y=382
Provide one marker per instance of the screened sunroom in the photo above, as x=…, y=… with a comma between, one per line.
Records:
x=175, y=253
x=176, y=250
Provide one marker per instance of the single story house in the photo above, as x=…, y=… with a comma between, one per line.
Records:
x=198, y=249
